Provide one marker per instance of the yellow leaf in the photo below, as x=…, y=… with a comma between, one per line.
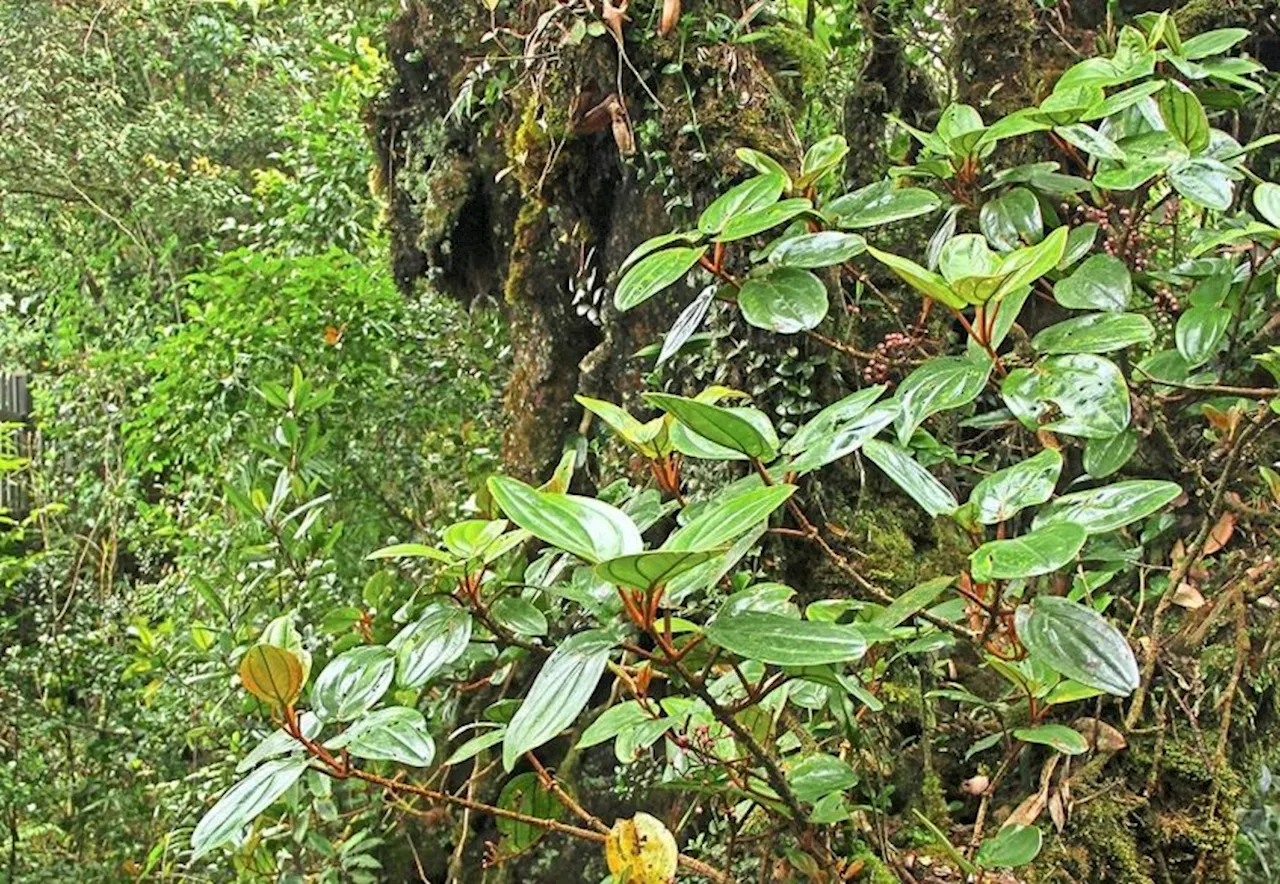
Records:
x=641, y=851
x=272, y=674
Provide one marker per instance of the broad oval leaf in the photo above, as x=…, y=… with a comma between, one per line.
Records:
x=825, y=248
x=352, y=682
x=717, y=424
x=1078, y=394
x=1266, y=199
x=425, y=647
x=651, y=245
x=245, y=800
x=654, y=273
x=726, y=520
x=907, y=473
x=1104, y=509
x=1204, y=181
x=1078, y=643
x=525, y=794
x=942, y=383
x=1040, y=552
x=397, y=733
x=928, y=283
x=590, y=529
x=881, y=203
x=821, y=158
x=1095, y=333
x=1009, y=848
x=646, y=570
x=1102, y=282
x=641, y=851
x=784, y=641
x=1102, y=457
x=519, y=615
x=559, y=693
x=282, y=633
x=272, y=674
x=786, y=300
x=1012, y=219
x=611, y=722
x=818, y=775
x=1184, y=116
x=759, y=220
x=1057, y=736
x=1005, y=493
x=752, y=194
x=1200, y=333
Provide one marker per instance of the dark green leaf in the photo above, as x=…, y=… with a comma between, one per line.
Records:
x=783, y=641
x=646, y=570
x=654, y=273
x=818, y=775
x=1004, y=494
x=1057, y=736
x=758, y=221
x=942, y=383
x=240, y=804
x=1100, y=283
x=786, y=300
x=726, y=520
x=1011, y=847
x=1078, y=643
x=353, y=682
x=1040, y=552
x=427, y=646
x=1104, y=509
x=907, y=474
x=881, y=203
x=393, y=734
x=823, y=249
x=1200, y=333
x=590, y=529
x=719, y=425
x=755, y=193
x=1095, y=333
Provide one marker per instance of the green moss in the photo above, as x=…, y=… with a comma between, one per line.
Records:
x=873, y=869
x=792, y=50
x=1100, y=844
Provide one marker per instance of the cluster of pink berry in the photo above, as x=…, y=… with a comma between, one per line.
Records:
x=1123, y=238
x=888, y=353
x=1166, y=301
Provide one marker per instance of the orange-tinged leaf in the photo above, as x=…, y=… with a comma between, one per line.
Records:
x=272, y=674
x=1221, y=533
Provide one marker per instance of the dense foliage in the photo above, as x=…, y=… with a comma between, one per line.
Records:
x=278, y=611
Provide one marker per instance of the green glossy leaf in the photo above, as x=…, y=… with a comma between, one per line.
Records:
x=881, y=203
x=352, y=682
x=784, y=641
x=474, y=746
x=525, y=794
x=786, y=300
x=1095, y=333
x=941, y=384
x=1091, y=141
x=1266, y=199
x=717, y=424
x=559, y=693
x=649, y=246
x=1056, y=736
x=759, y=220
x=1204, y=181
x=898, y=464
x=1009, y=848
x=818, y=775
x=1002, y=495
x=1213, y=42
x=1078, y=394
x=472, y=537
x=1123, y=99
x=1100, y=283
x=612, y=722
x=1200, y=333
x=240, y=804
x=434, y=641
x=1102, y=457
x=1078, y=643
x=1012, y=219
x=726, y=520
x=845, y=437
x=1024, y=266
x=393, y=734
x=519, y=615
x=752, y=194
x=652, y=568
x=280, y=742
x=1040, y=552
x=926, y=282
x=411, y=551
x=1184, y=116
x=913, y=601
x=826, y=248
x=654, y=273
x=825, y=422
x=1104, y=509
x=821, y=158
x=763, y=163
x=590, y=529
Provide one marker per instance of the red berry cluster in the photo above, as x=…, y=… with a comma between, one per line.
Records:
x=1166, y=301
x=1123, y=238
x=891, y=351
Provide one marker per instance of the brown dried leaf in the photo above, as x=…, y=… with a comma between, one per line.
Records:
x=670, y=16
x=1221, y=533
x=1100, y=735
x=1187, y=596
